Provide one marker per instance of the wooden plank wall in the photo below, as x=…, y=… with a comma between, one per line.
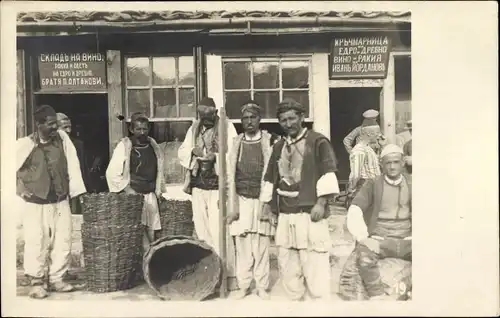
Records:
x=115, y=97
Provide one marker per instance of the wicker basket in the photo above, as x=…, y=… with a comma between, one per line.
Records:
x=395, y=274
x=176, y=217
x=182, y=268
x=113, y=208
x=112, y=256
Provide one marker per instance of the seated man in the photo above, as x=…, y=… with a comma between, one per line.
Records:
x=380, y=220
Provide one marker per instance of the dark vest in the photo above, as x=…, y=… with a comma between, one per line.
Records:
x=45, y=173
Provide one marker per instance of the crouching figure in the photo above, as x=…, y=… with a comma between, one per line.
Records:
x=380, y=220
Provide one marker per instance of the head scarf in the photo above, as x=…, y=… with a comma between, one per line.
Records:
x=207, y=101
x=62, y=117
x=251, y=106
x=371, y=113
x=42, y=112
x=390, y=149
x=290, y=104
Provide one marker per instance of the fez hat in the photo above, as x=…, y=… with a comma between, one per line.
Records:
x=252, y=107
x=42, y=112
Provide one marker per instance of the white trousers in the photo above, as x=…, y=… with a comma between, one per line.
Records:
x=47, y=239
x=252, y=260
x=303, y=271
x=206, y=216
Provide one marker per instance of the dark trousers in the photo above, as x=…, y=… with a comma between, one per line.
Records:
x=368, y=262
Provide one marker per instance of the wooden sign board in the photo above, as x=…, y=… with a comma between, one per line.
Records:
x=72, y=71
x=360, y=57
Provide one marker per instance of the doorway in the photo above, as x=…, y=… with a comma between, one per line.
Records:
x=346, y=113
x=89, y=119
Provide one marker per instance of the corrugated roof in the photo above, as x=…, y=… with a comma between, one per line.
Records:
x=144, y=16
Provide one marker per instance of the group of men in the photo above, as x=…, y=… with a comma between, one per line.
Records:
x=276, y=188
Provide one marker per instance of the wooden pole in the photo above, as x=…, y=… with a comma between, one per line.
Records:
x=222, y=198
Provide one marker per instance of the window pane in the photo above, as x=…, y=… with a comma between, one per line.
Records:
x=234, y=101
x=138, y=101
x=164, y=71
x=186, y=102
x=295, y=74
x=164, y=103
x=265, y=75
x=268, y=101
x=138, y=71
x=186, y=70
x=300, y=96
x=236, y=75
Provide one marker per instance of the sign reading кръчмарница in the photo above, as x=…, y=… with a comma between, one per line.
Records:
x=72, y=71
x=360, y=57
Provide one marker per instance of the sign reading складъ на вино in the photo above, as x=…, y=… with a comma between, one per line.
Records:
x=360, y=57
x=72, y=71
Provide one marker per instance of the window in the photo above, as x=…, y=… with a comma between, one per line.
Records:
x=161, y=87
x=266, y=80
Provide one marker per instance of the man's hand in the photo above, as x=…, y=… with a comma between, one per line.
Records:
x=318, y=212
x=372, y=244
x=129, y=190
x=209, y=157
x=232, y=216
x=25, y=194
x=265, y=212
x=198, y=152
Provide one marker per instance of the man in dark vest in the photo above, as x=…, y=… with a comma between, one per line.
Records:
x=379, y=218
x=300, y=178
x=199, y=154
x=136, y=167
x=48, y=174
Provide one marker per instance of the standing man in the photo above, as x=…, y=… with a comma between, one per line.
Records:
x=48, y=174
x=135, y=167
x=407, y=150
x=298, y=181
x=198, y=154
x=250, y=228
x=64, y=124
x=364, y=161
x=380, y=220
x=355, y=135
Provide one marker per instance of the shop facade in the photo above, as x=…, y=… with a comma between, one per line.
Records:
x=99, y=66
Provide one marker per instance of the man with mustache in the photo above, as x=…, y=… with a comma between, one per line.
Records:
x=250, y=228
x=48, y=174
x=199, y=154
x=135, y=167
x=299, y=180
x=380, y=220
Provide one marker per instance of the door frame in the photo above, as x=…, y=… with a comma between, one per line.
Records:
x=387, y=95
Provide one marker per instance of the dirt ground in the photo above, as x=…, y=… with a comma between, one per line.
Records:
x=341, y=248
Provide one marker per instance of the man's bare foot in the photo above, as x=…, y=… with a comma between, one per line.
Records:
x=239, y=294
x=38, y=292
x=62, y=287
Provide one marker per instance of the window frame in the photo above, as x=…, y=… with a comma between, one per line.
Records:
x=151, y=86
x=279, y=58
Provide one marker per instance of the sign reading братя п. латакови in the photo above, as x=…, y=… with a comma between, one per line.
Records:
x=360, y=57
x=72, y=71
